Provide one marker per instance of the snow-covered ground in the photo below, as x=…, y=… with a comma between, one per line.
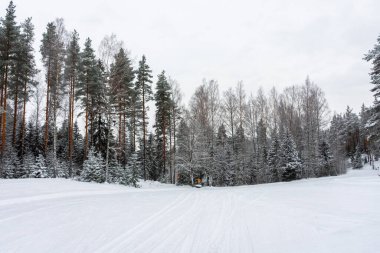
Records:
x=335, y=214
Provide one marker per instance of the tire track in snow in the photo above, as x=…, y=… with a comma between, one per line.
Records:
x=34, y=210
x=217, y=236
x=171, y=231
x=231, y=244
x=53, y=196
x=115, y=244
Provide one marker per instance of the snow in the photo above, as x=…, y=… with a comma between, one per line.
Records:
x=333, y=214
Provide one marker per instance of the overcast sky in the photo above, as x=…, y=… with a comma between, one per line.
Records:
x=262, y=42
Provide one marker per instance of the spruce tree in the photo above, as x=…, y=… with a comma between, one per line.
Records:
x=93, y=168
x=116, y=171
x=184, y=154
x=28, y=163
x=290, y=163
x=150, y=159
x=357, y=159
x=40, y=169
x=12, y=166
x=133, y=168
x=262, y=152
x=325, y=160
x=274, y=159
x=77, y=149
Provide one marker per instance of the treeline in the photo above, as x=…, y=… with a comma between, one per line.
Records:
x=221, y=139
x=236, y=139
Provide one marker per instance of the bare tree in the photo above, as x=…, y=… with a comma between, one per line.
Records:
x=230, y=106
x=108, y=48
x=175, y=116
x=241, y=100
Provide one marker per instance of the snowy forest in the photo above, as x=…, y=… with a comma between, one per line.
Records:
x=84, y=115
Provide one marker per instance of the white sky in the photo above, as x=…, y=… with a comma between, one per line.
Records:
x=262, y=42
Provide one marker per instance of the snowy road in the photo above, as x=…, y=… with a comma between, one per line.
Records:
x=336, y=214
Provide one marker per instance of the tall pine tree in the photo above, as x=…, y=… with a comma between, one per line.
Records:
x=143, y=90
x=163, y=109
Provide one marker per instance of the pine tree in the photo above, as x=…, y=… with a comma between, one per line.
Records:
x=29, y=71
x=50, y=55
x=93, y=94
x=98, y=109
x=53, y=53
x=72, y=65
x=87, y=88
x=121, y=84
x=144, y=92
x=373, y=124
x=163, y=105
x=21, y=74
x=9, y=45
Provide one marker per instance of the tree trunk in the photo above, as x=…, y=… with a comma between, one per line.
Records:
x=15, y=115
x=164, y=144
x=170, y=153
x=120, y=132
x=55, y=136
x=134, y=128
x=124, y=139
x=174, y=150
x=22, y=134
x=4, y=116
x=86, y=127
x=46, y=136
x=107, y=151
x=144, y=141
x=69, y=131
x=71, y=123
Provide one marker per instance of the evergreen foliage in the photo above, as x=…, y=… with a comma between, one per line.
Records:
x=291, y=166
x=93, y=168
x=216, y=140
